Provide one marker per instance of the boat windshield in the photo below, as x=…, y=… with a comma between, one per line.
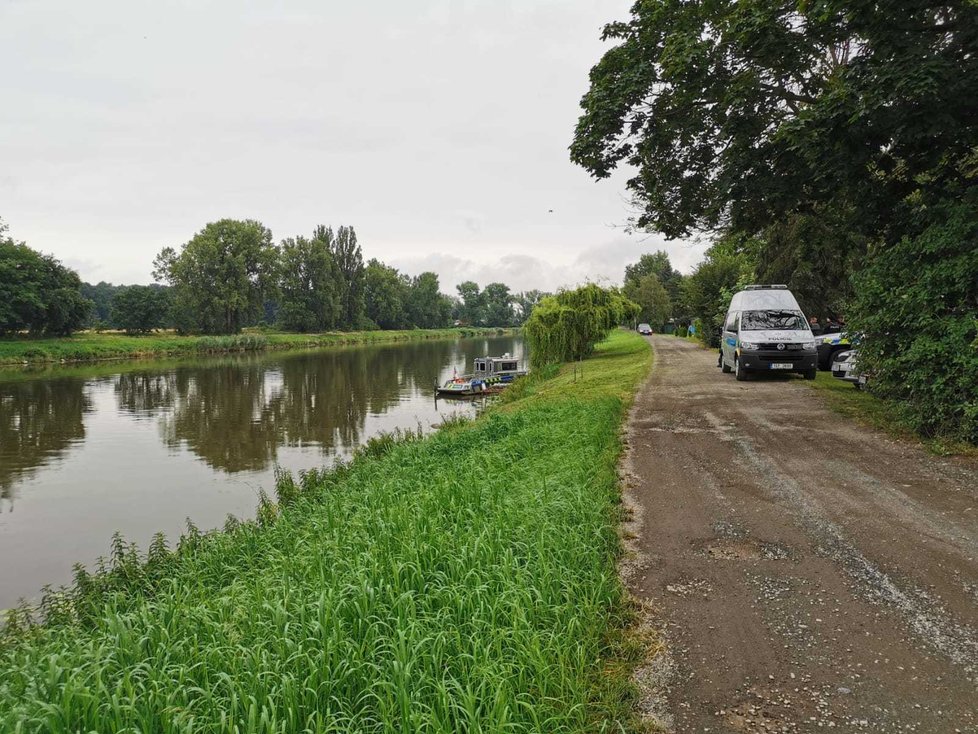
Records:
x=773, y=320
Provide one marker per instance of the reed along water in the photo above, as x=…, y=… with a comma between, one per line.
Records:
x=140, y=447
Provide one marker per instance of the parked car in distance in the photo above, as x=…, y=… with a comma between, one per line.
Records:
x=844, y=368
x=644, y=329
x=765, y=331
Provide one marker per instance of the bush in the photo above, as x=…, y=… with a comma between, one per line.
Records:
x=234, y=343
x=917, y=304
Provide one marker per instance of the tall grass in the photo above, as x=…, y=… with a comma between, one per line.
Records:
x=460, y=583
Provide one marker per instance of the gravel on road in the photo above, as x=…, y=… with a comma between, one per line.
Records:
x=806, y=574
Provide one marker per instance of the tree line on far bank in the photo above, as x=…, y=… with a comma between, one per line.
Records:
x=232, y=275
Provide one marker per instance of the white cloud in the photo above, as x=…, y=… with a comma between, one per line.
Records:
x=438, y=128
x=602, y=264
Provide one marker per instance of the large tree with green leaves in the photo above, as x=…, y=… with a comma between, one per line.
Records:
x=919, y=300
x=309, y=284
x=743, y=113
x=37, y=293
x=385, y=296
x=473, y=303
x=825, y=134
x=101, y=295
x=349, y=260
x=221, y=277
x=498, y=305
x=652, y=298
x=428, y=307
x=657, y=264
x=139, y=309
x=568, y=325
x=524, y=302
x=706, y=292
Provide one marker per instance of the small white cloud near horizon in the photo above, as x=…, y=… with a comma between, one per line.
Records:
x=604, y=265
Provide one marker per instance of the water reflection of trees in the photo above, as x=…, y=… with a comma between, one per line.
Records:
x=144, y=393
x=235, y=414
x=39, y=421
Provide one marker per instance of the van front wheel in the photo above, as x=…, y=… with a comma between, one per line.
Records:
x=739, y=372
x=724, y=367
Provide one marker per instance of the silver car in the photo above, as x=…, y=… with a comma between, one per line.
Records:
x=844, y=367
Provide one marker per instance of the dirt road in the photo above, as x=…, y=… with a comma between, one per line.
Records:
x=808, y=574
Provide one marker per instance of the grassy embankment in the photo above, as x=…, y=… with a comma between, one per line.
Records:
x=89, y=346
x=883, y=415
x=463, y=582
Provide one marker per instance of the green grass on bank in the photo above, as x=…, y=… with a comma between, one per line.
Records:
x=465, y=582
x=883, y=415
x=89, y=346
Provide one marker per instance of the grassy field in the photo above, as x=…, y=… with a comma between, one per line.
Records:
x=89, y=346
x=465, y=582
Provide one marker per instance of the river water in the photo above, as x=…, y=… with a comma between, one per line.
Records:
x=140, y=447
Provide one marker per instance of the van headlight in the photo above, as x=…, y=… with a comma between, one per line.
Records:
x=808, y=345
x=749, y=345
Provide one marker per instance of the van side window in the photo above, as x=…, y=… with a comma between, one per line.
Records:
x=731, y=324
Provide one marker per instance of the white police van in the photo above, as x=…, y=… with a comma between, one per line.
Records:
x=765, y=331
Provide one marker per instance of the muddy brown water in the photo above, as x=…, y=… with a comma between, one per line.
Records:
x=140, y=447
x=807, y=574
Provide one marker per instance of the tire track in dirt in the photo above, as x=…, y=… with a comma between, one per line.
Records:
x=805, y=573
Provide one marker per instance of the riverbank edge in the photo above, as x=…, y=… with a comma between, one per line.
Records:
x=88, y=347
x=606, y=385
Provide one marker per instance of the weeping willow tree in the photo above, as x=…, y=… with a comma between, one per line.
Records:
x=566, y=326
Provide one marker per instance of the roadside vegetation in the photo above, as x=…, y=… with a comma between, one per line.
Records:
x=88, y=346
x=882, y=414
x=461, y=582
x=830, y=146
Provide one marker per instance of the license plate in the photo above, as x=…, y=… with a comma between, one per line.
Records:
x=781, y=365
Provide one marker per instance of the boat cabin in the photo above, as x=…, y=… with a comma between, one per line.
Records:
x=505, y=365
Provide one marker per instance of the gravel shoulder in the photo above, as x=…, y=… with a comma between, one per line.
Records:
x=805, y=572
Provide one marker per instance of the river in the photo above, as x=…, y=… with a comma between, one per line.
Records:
x=140, y=447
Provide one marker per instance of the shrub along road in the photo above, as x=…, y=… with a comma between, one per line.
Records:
x=806, y=572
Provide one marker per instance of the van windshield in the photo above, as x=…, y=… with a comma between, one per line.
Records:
x=779, y=320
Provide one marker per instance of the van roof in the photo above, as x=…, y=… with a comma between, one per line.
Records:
x=759, y=298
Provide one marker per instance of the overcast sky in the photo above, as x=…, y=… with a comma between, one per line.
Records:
x=438, y=128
